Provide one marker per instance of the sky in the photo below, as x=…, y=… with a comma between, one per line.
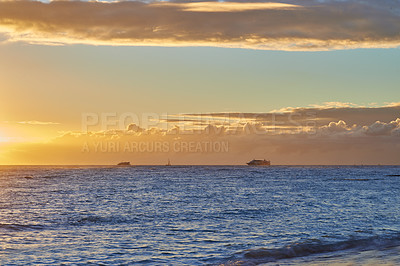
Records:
x=296, y=82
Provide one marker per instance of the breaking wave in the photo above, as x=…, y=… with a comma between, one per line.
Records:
x=313, y=247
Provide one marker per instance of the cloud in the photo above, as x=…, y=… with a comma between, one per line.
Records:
x=380, y=128
x=315, y=116
x=334, y=127
x=293, y=25
x=134, y=128
x=226, y=6
x=34, y=122
x=333, y=143
x=331, y=135
x=31, y=122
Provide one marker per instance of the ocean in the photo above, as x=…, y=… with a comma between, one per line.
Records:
x=200, y=215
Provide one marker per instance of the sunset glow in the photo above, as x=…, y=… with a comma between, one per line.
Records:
x=2, y=138
x=200, y=132
x=81, y=79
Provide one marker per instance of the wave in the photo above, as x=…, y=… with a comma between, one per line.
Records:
x=20, y=227
x=53, y=176
x=44, y=176
x=357, y=179
x=223, y=169
x=312, y=247
x=95, y=219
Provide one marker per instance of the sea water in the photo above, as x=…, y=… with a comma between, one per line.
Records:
x=200, y=215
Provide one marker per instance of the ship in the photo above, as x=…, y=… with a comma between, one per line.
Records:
x=124, y=164
x=259, y=162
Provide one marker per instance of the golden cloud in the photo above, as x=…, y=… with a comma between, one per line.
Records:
x=225, y=6
x=314, y=25
x=330, y=135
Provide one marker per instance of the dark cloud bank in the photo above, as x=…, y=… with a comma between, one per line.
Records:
x=292, y=25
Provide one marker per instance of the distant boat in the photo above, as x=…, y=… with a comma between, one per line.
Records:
x=169, y=163
x=259, y=162
x=124, y=164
